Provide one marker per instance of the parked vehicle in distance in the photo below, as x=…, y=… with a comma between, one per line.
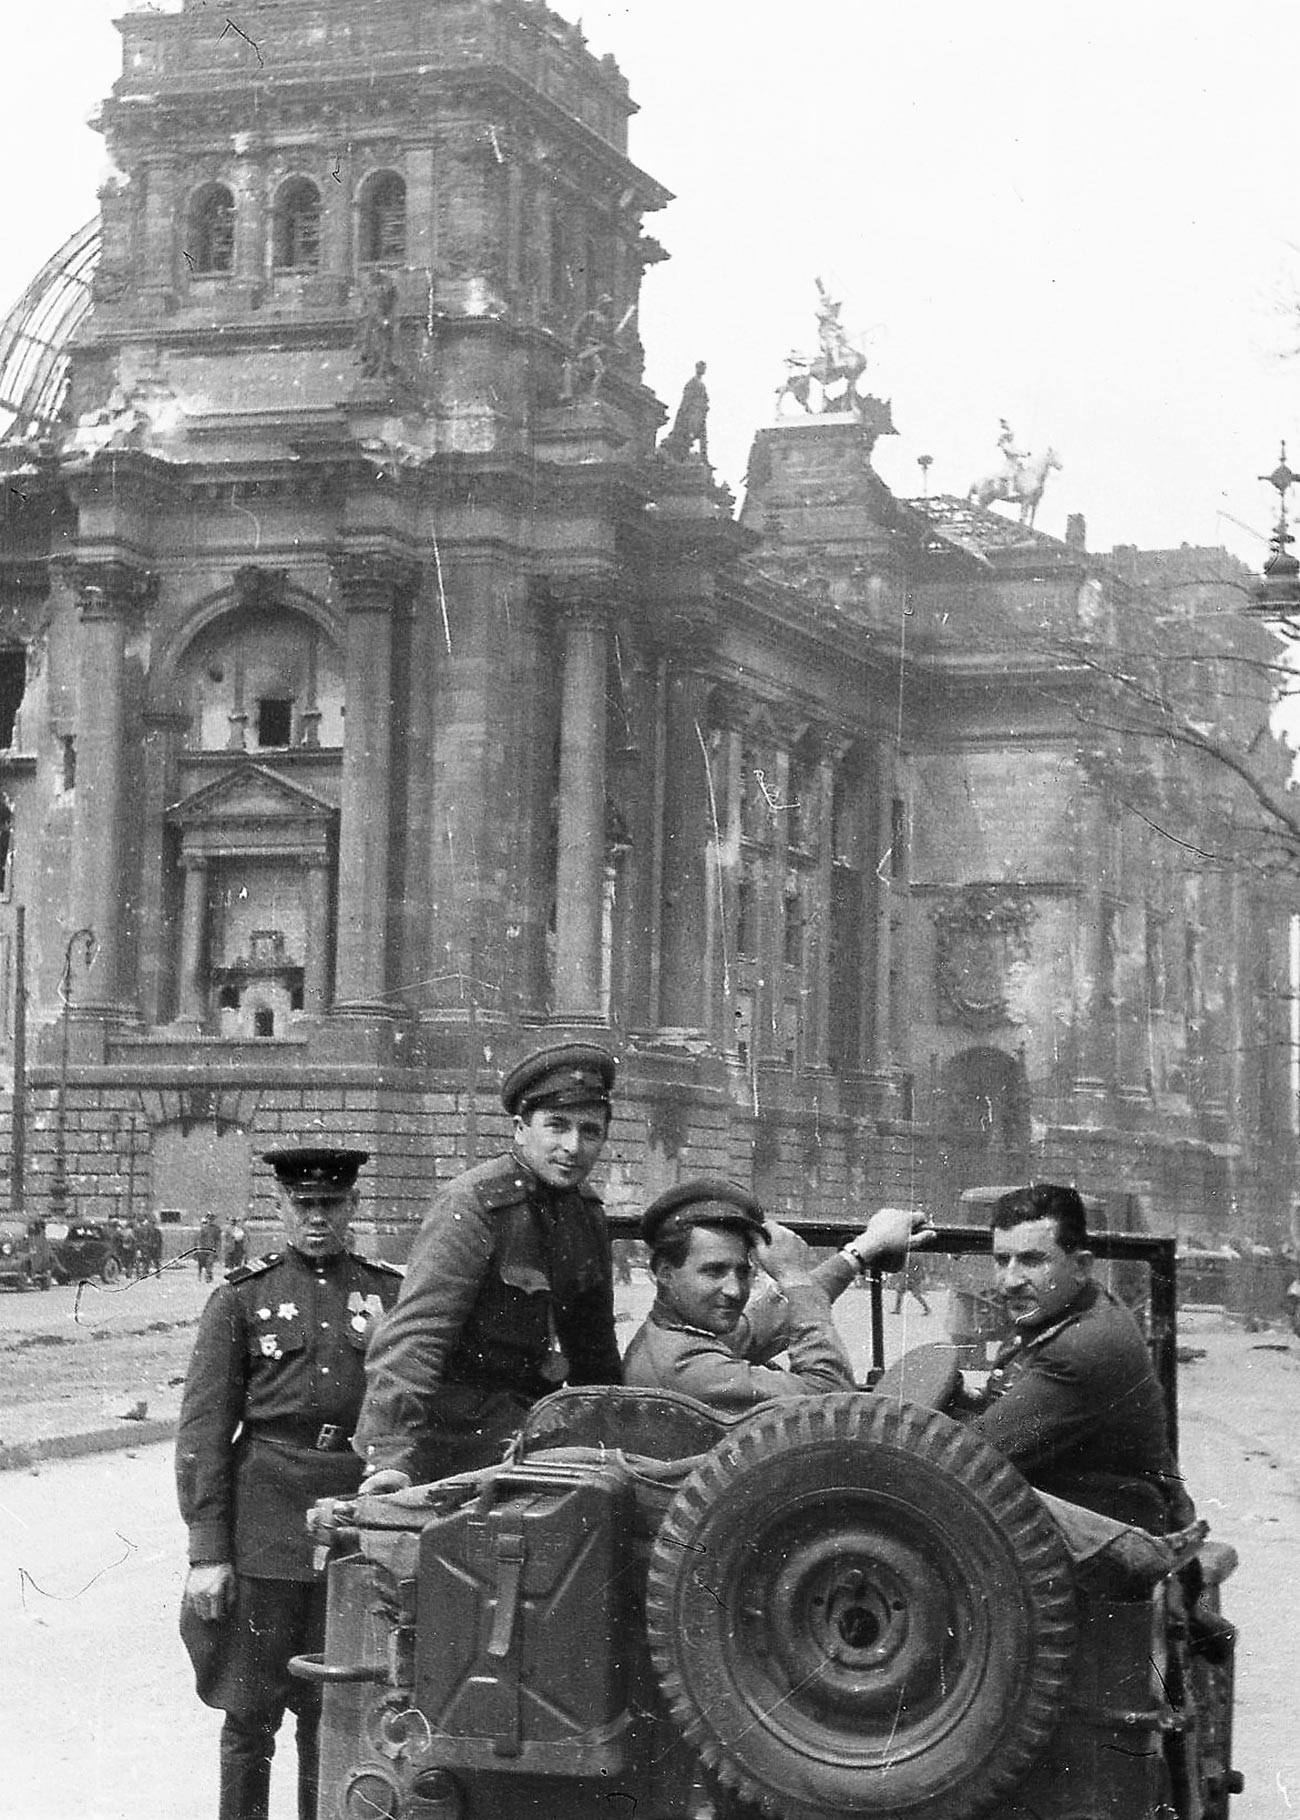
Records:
x=26, y=1257
x=89, y=1250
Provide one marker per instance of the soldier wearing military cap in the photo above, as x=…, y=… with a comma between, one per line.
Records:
x=508, y=1290
x=705, y=1338
x=271, y=1398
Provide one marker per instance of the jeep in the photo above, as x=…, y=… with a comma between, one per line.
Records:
x=845, y=1607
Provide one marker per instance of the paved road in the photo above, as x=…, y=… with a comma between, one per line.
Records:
x=100, y=1723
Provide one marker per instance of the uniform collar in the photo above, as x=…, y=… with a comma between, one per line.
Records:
x=662, y=1316
x=1039, y=1336
x=318, y=1266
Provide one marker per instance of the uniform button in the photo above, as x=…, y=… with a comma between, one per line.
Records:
x=324, y=1371
x=325, y=1326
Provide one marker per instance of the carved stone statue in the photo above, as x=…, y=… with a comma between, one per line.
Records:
x=594, y=337
x=1021, y=479
x=377, y=331
x=691, y=425
x=828, y=380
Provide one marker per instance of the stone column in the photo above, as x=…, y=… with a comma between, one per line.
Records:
x=687, y=975
x=580, y=857
x=1094, y=1007
x=248, y=185
x=193, y=1006
x=374, y=585
x=316, y=960
x=881, y=858
x=769, y=998
x=109, y=592
x=817, y=966
x=639, y=776
x=163, y=733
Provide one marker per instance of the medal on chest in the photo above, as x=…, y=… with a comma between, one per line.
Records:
x=363, y=1312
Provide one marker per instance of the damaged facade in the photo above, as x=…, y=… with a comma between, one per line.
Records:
x=382, y=700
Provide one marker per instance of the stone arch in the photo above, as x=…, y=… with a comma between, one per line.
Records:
x=381, y=220
x=982, y=1119
x=274, y=591
x=985, y=1098
x=209, y=230
x=297, y=219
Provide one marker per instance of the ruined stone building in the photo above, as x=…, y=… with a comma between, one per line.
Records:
x=382, y=699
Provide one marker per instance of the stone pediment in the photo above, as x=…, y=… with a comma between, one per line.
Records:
x=252, y=810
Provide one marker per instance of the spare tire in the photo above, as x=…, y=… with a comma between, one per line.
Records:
x=857, y=1608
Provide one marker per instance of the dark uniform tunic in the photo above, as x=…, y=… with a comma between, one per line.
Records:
x=273, y=1390
x=508, y=1294
x=1081, y=1413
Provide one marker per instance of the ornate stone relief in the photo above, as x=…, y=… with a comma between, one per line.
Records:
x=980, y=931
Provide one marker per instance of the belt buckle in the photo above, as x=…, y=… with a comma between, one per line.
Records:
x=327, y=1441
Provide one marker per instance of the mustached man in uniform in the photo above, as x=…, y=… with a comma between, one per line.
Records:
x=271, y=1397
x=508, y=1291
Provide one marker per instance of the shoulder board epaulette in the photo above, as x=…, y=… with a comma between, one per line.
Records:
x=392, y=1270
x=253, y=1268
x=507, y=1191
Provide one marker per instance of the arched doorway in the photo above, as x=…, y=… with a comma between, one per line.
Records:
x=980, y=1124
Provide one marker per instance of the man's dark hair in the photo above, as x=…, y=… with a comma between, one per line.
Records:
x=674, y=1247
x=1045, y=1201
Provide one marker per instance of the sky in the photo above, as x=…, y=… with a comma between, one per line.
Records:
x=1082, y=217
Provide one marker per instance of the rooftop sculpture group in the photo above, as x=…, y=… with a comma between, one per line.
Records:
x=1021, y=478
x=828, y=380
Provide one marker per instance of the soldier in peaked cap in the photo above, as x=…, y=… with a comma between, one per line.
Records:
x=271, y=1398
x=704, y=1337
x=508, y=1290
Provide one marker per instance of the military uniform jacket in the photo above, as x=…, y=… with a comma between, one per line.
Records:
x=731, y=1372
x=278, y=1358
x=1082, y=1415
x=508, y=1293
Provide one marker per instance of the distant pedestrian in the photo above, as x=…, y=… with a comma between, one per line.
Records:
x=235, y=1250
x=206, y=1246
x=124, y=1241
x=148, y=1245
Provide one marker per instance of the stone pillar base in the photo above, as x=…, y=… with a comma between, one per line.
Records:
x=357, y=1032
x=1089, y=1100
x=584, y=1025
x=90, y=1030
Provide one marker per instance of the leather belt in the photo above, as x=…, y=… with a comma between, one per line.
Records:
x=294, y=1431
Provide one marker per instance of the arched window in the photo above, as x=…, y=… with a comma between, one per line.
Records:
x=211, y=239
x=383, y=220
x=297, y=226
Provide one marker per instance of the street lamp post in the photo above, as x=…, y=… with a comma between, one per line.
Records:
x=85, y=938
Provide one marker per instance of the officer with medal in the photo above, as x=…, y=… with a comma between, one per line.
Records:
x=271, y=1397
x=508, y=1289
